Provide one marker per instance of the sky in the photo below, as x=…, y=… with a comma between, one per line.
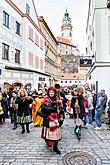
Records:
x=53, y=13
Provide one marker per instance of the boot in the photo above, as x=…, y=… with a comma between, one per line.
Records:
x=55, y=149
x=23, y=129
x=15, y=126
x=27, y=128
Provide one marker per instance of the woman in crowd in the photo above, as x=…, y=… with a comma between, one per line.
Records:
x=77, y=103
x=24, y=114
x=35, y=107
x=51, y=106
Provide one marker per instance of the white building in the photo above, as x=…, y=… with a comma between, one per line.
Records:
x=22, y=52
x=98, y=46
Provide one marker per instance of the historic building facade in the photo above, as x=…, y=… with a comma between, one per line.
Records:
x=22, y=44
x=98, y=45
x=51, y=56
x=69, y=55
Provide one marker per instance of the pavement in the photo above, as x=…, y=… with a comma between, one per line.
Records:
x=30, y=149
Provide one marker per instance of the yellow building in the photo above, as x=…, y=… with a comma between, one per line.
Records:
x=51, y=56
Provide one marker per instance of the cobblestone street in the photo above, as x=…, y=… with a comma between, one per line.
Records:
x=30, y=149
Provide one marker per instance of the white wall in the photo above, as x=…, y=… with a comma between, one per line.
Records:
x=101, y=74
x=100, y=3
x=20, y=42
x=8, y=35
x=30, y=46
x=22, y=6
x=99, y=22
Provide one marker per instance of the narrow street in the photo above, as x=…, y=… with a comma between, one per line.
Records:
x=30, y=149
x=59, y=49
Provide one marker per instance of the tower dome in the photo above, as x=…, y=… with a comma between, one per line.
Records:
x=67, y=27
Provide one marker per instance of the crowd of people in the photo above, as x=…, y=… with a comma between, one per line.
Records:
x=49, y=109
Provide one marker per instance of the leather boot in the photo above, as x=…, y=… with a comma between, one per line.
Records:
x=55, y=149
x=27, y=128
x=23, y=129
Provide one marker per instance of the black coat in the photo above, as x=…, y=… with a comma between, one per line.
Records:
x=47, y=109
x=61, y=95
x=23, y=106
x=81, y=105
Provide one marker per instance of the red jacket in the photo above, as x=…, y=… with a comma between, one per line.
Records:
x=86, y=106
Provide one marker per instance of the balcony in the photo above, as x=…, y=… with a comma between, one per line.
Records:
x=108, y=3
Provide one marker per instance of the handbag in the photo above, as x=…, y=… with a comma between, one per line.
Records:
x=40, y=113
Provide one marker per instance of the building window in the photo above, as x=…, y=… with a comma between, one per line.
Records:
x=75, y=81
x=41, y=43
x=41, y=79
x=37, y=39
x=65, y=81
x=37, y=62
x=17, y=56
x=5, y=19
x=91, y=45
x=30, y=33
x=27, y=9
x=31, y=59
x=5, y=51
x=70, y=82
x=61, y=81
x=17, y=28
x=41, y=64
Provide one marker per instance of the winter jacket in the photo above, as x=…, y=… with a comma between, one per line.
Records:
x=50, y=107
x=90, y=103
x=100, y=102
x=23, y=106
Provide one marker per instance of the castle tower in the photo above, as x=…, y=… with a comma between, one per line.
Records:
x=67, y=27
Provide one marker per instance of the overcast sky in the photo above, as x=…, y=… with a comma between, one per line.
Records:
x=53, y=13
